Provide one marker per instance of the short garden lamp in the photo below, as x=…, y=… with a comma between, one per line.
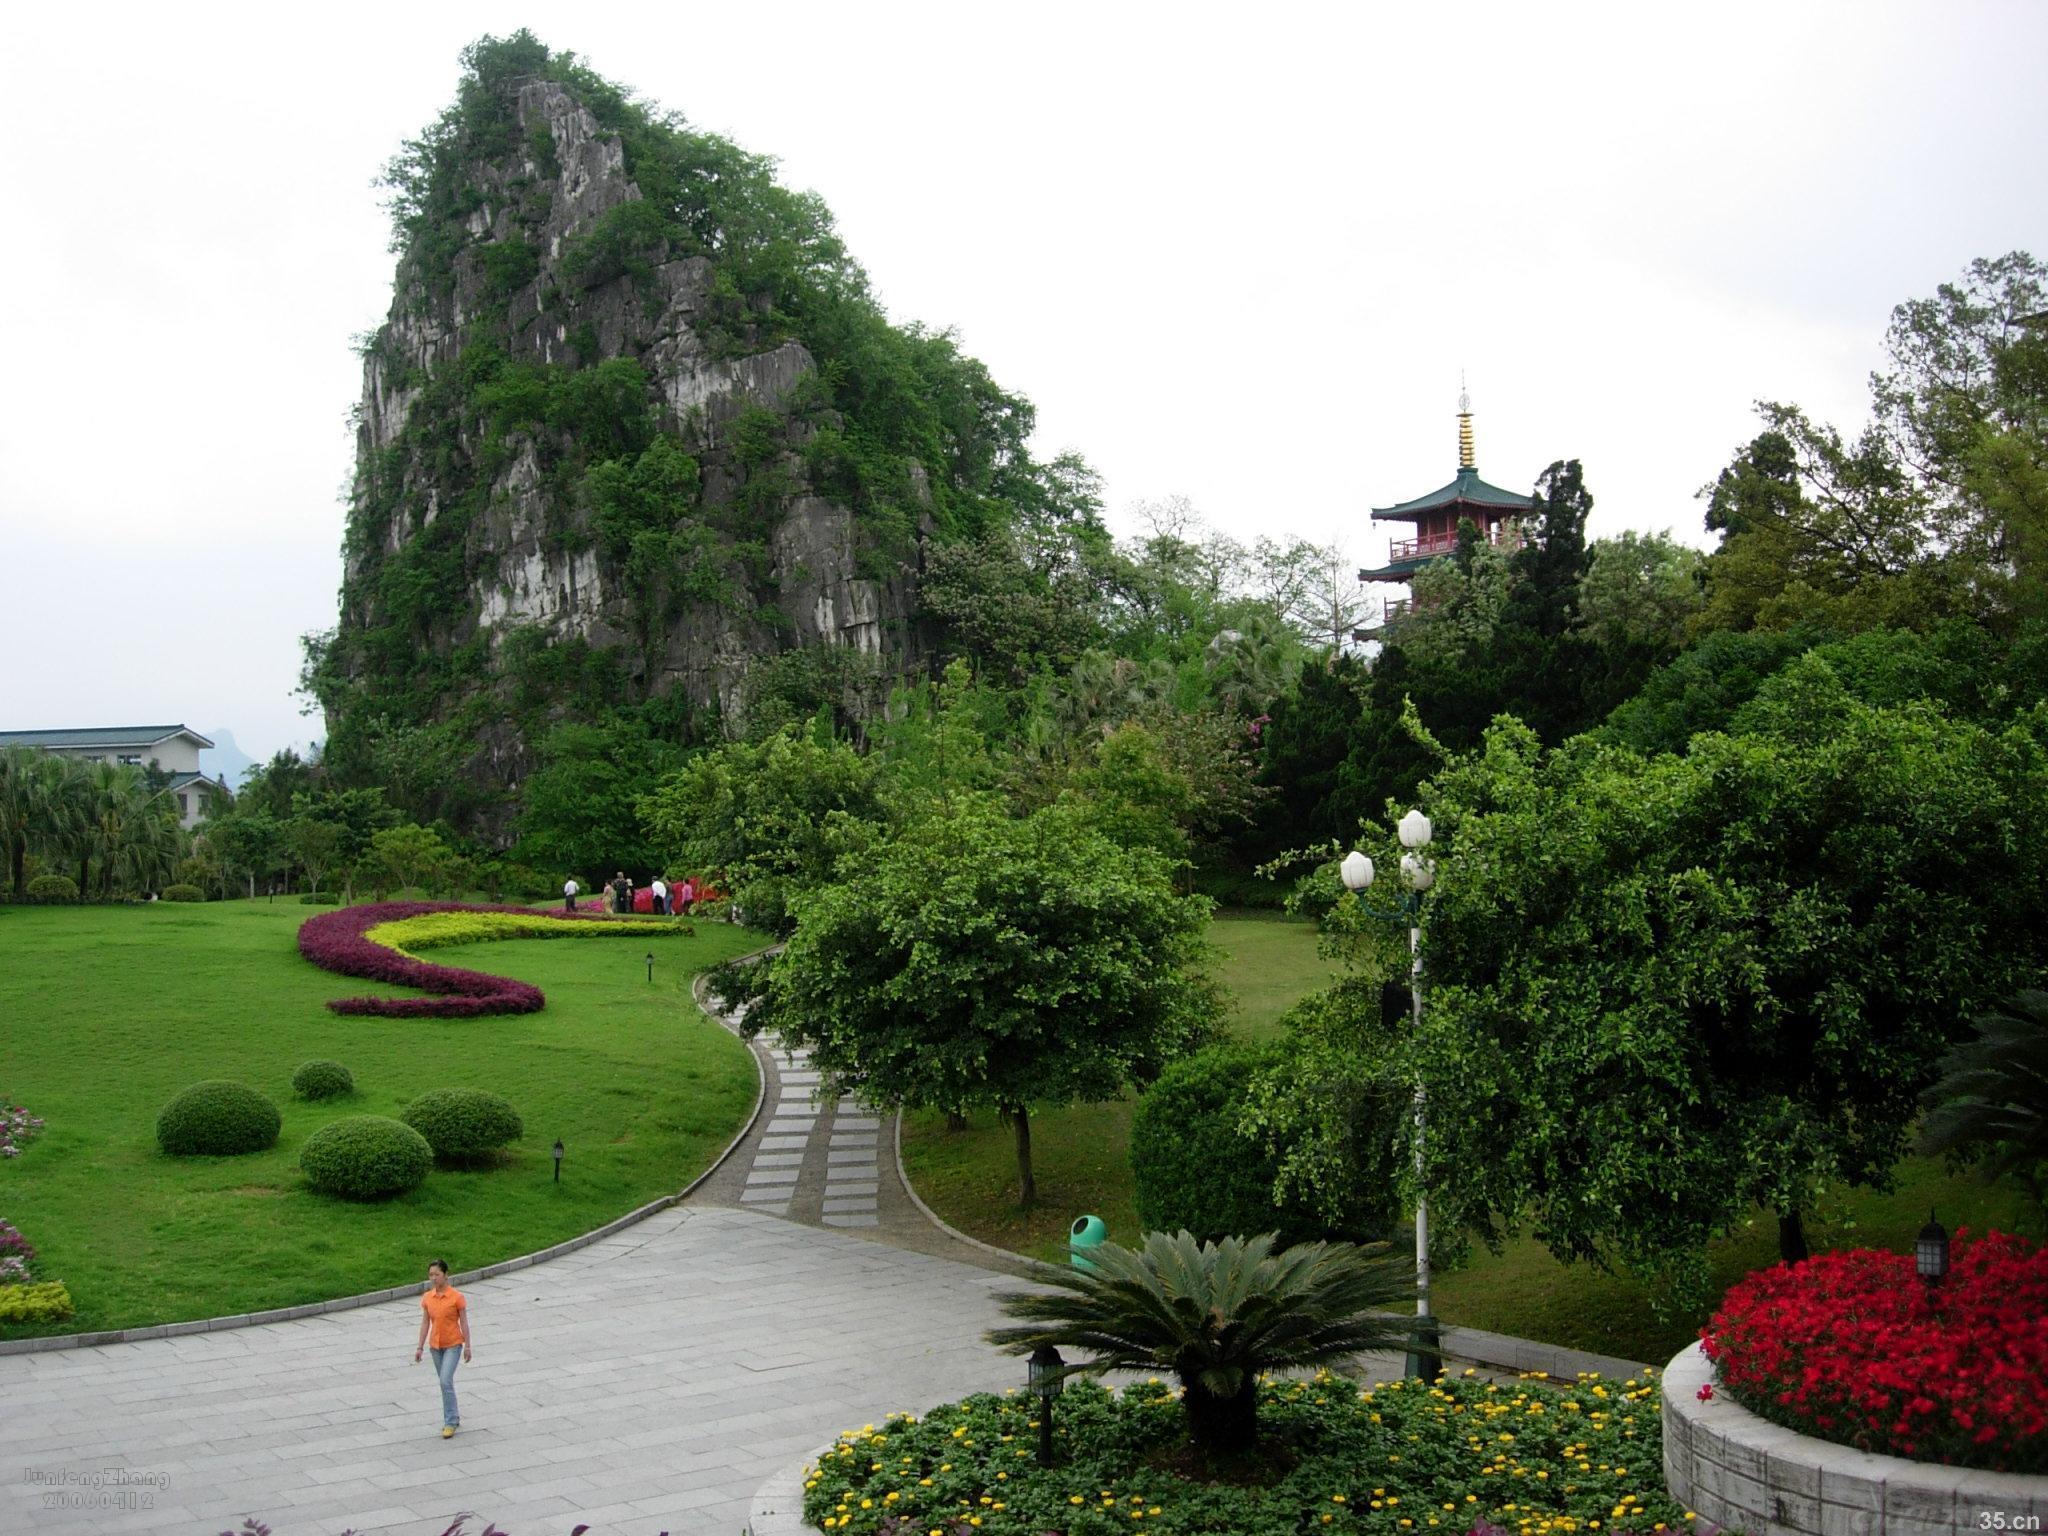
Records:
x=650, y=967
x=1047, y=1379
x=558, y=1159
x=1930, y=1251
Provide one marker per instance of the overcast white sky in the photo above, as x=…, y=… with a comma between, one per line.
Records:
x=1239, y=253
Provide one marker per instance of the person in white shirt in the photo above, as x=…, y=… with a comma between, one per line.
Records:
x=660, y=896
x=569, y=894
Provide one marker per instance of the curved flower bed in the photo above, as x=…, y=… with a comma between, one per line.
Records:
x=1853, y=1347
x=1524, y=1458
x=342, y=941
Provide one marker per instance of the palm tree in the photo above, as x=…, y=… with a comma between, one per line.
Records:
x=1992, y=1099
x=1217, y=1316
x=21, y=810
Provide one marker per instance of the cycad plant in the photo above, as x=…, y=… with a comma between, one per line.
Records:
x=1992, y=1098
x=1217, y=1316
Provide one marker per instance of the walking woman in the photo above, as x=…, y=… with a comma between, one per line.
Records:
x=446, y=1315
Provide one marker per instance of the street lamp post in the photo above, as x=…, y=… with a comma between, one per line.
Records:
x=1418, y=874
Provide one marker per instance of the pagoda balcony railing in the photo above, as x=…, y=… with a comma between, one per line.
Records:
x=1396, y=608
x=1506, y=534
x=1427, y=544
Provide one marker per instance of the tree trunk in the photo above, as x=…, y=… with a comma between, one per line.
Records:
x=19, y=858
x=84, y=885
x=1791, y=1237
x=955, y=1121
x=1027, y=1186
x=1222, y=1426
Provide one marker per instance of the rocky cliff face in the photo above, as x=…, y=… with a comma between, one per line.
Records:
x=595, y=424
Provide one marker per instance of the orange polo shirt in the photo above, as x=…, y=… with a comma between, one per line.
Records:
x=445, y=1308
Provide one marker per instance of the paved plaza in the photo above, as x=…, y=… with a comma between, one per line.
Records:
x=649, y=1382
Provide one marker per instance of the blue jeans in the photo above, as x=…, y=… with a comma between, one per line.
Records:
x=445, y=1361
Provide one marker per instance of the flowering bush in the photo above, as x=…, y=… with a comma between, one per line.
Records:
x=1526, y=1458
x=363, y=941
x=1854, y=1347
x=17, y=1128
x=17, y=1255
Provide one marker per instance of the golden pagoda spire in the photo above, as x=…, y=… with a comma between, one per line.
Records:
x=1465, y=454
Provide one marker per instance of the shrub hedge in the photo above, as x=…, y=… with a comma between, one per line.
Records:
x=1190, y=1167
x=217, y=1119
x=322, y=1080
x=46, y=890
x=320, y=899
x=463, y=1125
x=365, y=1157
x=343, y=942
x=182, y=893
x=43, y=1303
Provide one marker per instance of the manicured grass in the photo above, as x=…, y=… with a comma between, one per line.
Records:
x=1082, y=1163
x=1080, y=1154
x=110, y=1011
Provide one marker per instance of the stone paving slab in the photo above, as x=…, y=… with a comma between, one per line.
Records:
x=670, y=1373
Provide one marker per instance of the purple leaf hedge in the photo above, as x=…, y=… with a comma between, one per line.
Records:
x=335, y=941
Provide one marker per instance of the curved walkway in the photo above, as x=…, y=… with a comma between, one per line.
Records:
x=650, y=1382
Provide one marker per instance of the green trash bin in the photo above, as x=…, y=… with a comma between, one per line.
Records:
x=1087, y=1232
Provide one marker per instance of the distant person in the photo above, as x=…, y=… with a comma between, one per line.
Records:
x=569, y=894
x=688, y=894
x=660, y=897
x=445, y=1315
x=622, y=893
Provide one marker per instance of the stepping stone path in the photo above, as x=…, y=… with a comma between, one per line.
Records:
x=822, y=1164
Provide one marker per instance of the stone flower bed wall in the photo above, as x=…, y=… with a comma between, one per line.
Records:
x=1745, y=1473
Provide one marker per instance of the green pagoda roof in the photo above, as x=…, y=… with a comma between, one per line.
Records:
x=1468, y=489
x=1400, y=570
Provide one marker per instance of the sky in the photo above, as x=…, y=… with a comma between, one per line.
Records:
x=1240, y=254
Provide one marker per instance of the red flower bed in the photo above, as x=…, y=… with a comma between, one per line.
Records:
x=1854, y=1347
x=334, y=941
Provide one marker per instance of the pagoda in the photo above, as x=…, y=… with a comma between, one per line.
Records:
x=1496, y=513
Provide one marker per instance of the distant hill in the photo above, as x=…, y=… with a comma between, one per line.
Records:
x=225, y=760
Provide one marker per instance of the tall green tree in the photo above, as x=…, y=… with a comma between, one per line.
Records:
x=579, y=809
x=1663, y=990
x=980, y=960
x=766, y=820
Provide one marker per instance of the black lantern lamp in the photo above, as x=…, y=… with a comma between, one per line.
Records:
x=650, y=967
x=1047, y=1379
x=558, y=1159
x=1930, y=1251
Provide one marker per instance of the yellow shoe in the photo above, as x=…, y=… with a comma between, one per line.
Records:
x=447, y=1431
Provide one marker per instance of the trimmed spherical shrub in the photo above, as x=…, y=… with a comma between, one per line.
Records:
x=463, y=1125
x=46, y=890
x=1191, y=1167
x=322, y=1080
x=217, y=1119
x=365, y=1157
x=183, y=893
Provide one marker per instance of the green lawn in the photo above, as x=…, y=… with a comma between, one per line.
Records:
x=1081, y=1158
x=108, y=1012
